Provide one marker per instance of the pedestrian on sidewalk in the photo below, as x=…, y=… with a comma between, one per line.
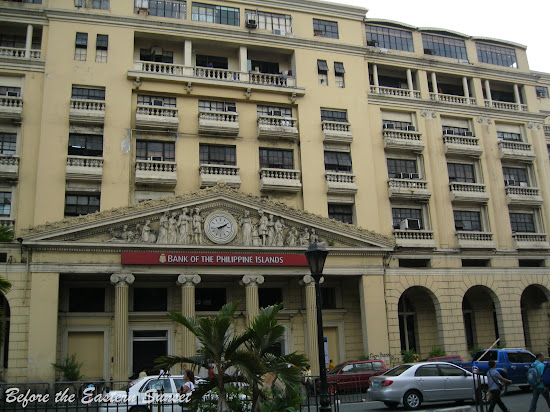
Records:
x=495, y=379
x=539, y=389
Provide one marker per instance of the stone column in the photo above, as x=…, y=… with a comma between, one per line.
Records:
x=243, y=63
x=311, y=324
x=28, y=41
x=252, y=299
x=488, y=92
x=188, y=283
x=466, y=89
x=410, y=82
x=121, y=352
x=516, y=94
x=188, y=53
x=375, y=77
x=434, y=86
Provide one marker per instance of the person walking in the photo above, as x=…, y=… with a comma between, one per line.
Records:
x=187, y=388
x=539, y=388
x=308, y=381
x=495, y=379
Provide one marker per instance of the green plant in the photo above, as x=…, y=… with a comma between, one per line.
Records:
x=6, y=234
x=363, y=357
x=501, y=345
x=408, y=355
x=289, y=401
x=548, y=342
x=436, y=352
x=474, y=350
x=69, y=369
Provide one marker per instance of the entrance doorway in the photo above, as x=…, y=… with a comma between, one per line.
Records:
x=147, y=346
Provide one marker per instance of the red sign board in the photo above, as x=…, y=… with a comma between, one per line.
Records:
x=212, y=259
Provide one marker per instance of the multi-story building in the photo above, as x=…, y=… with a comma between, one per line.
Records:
x=419, y=156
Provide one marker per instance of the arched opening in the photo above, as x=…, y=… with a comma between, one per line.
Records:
x=535, y=314
x=418, y=321
x=480, y=317
x=4, y=333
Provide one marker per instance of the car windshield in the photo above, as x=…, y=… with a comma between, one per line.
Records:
x=336, y=368
x=398, y=370
x=125, y=388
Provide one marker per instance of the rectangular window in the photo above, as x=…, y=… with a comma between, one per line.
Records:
x=87, y=93
x=399, y=167
x=86, y=299
x=522, y=222
x=81, y=46
x=156, y=54
x=460, y=172
x=511, y=137
x=467, y=220
x=17, y=41
x=157, y=151
x=270, y=21
x=270, y=296
x=101, y=47
x=8, y=143
x=515, y=176
x=542, y=92
x=387, y=38
x=5, y=204
x=343, y=213
x=208, y=13
x=150, y=299
x=215, y=62
x=444, y=46
x=455, y=131
x=209, y=299
x=334, y=115
x=396, y=125
x=276, y=158
x=401, y=213
x=501, y=56
x=325, y=28
x=337, y=161
x=94, y=4
x=175, y=9
x=90, y=145
x=339, y=74
x=156, y=101
x=328, y=298
x=274, y=111
x=211, y=106
x=10, y=91
x=217, y=155
x=76, y=205
x=322, y=71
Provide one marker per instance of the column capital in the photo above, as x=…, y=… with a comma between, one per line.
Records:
x=252, y=280
x=308, y=280
x=122, y=279
x=188, y=280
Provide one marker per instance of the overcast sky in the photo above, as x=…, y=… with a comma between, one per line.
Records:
x=525, y=22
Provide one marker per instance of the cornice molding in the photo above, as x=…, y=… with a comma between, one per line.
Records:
x=26, y=65
x=24, y=15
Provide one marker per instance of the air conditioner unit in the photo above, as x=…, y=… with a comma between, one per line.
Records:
x=383, y=50
x=542, y=95
x=523, y=184
x=156, y=158
x=429, y=51
x=276, y=113
x=158, y=102
x=411, y=128
x=414, y=176
x=156, y=50
x=469, y=134
x=463, y=61
x=448, y=131
x=409, y=224
x=372, y=43
x=403, y=85
x=403, y=176
x=510, y=182
x=279, y=32
x=389, y=126
x=459, y=225
x=251, y=24
x=12, y=94
x=317, y=32
x=142, y=4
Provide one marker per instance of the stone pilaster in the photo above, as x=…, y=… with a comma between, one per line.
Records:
x=311, y=324
x=252, y=300
x=188, y=283
x=121, y=350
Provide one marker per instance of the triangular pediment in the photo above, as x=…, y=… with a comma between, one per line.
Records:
x=219, y=217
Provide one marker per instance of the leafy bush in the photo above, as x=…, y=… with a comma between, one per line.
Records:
x=69, y=369
x=290, y=401
x=436, y=352
x=408, y=355
x=474, y=350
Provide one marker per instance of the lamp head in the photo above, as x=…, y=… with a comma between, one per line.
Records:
x=316, y=254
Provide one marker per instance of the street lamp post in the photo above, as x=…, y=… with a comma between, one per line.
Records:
x=316, y=255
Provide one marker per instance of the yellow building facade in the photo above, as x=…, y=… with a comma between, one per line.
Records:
x=169, y=155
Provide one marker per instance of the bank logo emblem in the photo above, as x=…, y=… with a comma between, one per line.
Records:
x=162, y=258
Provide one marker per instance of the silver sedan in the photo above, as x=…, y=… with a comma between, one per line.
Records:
x=413, y=383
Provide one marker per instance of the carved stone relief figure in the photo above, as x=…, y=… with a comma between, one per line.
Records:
x=262, y=228
x=304, y=237
x=147, y=234
x=163, y=229
x=313, y=238
x=291, y=237
x=246, y=228
x=270, y=231
x=172, y=229
x=182, y=226
x=256, y=240
x=197, y=226
x=279, y=232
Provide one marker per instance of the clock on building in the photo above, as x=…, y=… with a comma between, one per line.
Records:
x=220, y=227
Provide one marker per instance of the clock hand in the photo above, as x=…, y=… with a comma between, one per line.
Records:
x=222, y=226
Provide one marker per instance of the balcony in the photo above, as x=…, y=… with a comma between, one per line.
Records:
x=87, y=111
x=9, y=167
x=475, y=240
x=340, y=183
x=277, y=127
x=468, y=192
x=520, y=195
x=403, y=140
x=223, y=124
x=280, y=180
x=157, y=117
x=462, y=145
x=408, y=189
x=395, y=92
x=11, y=108
x=84, y=168
x=338, y=132
x=506, y=106
x=18, y=53
x=452, y=99
x=212, y=174
x=153, y=172
x=415, y=238
x=531, y=240
x=516, y=150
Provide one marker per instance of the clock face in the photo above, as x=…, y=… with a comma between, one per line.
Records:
x=220, y=227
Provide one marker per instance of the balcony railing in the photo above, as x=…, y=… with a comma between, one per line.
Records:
x=11, y=108
x=277, y=127
x=7, y=222
x=157, y=117
x=402, y=139
x=409, y=188
x=284, y=180
x=340, y=183
x=395, y=91
x=475, y=240
x=19, y=53
x=515, y=150
x=415, y=238
x=87, y=111
x=523, y=195
x=506, y=105
x=463, y=145
x=451, y=98
x=156, y=172
x=267, y=79
x=212, y=174
x=217, y=74
x=336, y=131
x=9, y=167
x=468, y=192
x=530, y=240
x=219, y=123
x=84, y=168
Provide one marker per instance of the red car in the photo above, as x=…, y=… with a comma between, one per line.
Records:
x=354, y=376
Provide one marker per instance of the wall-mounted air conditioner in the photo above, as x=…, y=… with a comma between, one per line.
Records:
x=389, y=126
x=158, y=102
x=411, y=128
x=523, y=184
x=251, y=24
x=469, y=134
x=510, y=182
x=459, y=225
x=276, y=113
x=403, y=175
x=142, y=4
x=156, y=158
x=409, y=224
x=12, y=94
x=279, y=32
x=414, y=176
x=372, y=43
x=448, y=131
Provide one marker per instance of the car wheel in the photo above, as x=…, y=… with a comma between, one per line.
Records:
x=412, y=400
x=391, y=404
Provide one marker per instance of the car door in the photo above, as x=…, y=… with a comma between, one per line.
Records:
x=526, y=360
x=430, y=383
x=363, y=371
x=346, y=377
x=151, y=392
x=457, y=382
x=515, y=367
